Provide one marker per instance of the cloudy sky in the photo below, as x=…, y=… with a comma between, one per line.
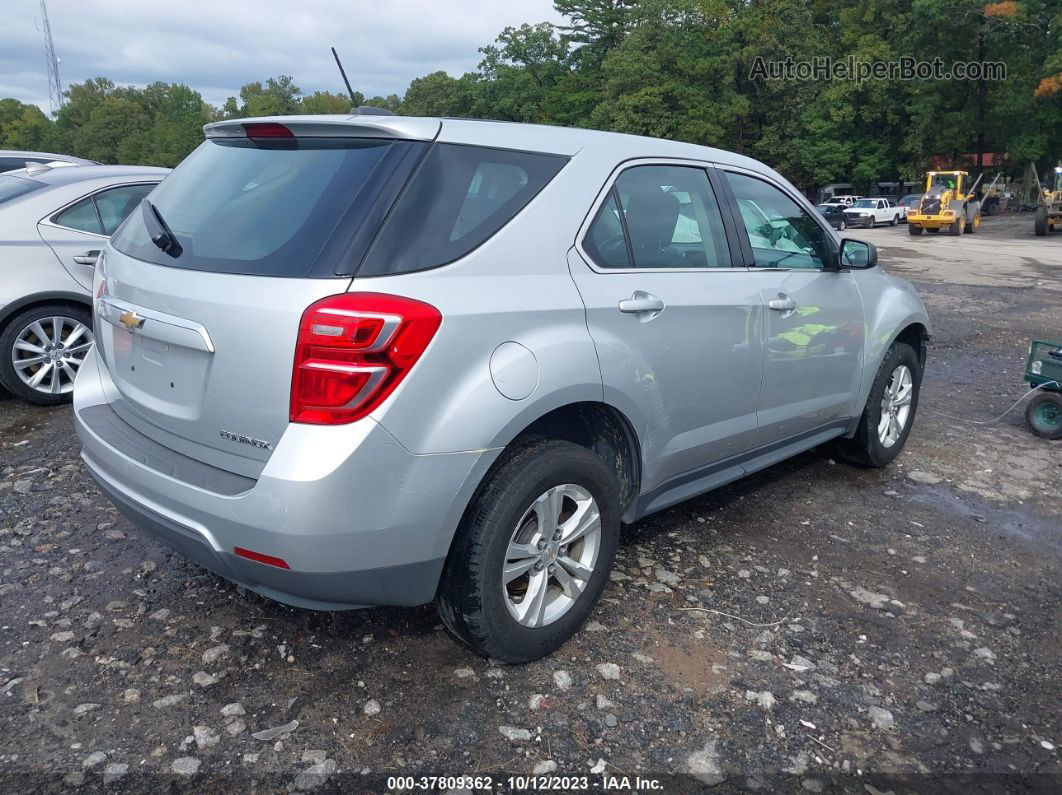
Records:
x=215, y=46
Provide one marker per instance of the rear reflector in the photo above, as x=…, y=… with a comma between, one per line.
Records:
x=267, y=129
x=258, y=557
x=353, y=350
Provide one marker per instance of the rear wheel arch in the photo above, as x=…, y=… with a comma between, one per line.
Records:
x=599, y=427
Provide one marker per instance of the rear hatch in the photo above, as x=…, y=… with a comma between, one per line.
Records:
x=200, y=292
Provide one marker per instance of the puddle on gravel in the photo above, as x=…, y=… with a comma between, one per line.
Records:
x=1021, y=523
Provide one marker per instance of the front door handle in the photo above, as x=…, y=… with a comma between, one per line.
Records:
x=783, y=303
x=88, y=258
x=641, y=302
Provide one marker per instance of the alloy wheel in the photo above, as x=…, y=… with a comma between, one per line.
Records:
x=551, y=555
x=896, y=406
x=48, y=353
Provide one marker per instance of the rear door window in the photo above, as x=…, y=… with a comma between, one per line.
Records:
x=458, y=198
x=261, y=207
x=670, y=217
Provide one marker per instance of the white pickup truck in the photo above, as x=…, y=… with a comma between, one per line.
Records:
x=868, y=212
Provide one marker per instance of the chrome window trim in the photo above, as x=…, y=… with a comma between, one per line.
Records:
x=49, y=219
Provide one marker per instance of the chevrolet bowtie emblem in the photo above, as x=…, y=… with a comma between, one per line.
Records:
x=131, y=320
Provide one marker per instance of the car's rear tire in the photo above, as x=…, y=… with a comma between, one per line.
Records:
x=879, y=439
x=510, y=528
x=1044, y=415
x=895, y=220
x=41, y=350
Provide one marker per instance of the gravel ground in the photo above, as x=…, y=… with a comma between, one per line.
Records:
x=813, y=626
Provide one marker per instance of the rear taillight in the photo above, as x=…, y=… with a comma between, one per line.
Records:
x=353, y=350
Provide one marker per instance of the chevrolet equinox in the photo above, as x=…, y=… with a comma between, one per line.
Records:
x=378, y=360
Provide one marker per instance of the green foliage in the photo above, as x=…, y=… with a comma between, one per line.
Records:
x=678, y=69
x=23, y=126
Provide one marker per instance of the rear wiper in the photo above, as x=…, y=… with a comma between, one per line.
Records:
x=159, y=231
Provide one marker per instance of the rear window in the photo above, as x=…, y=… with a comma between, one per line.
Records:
x=265, y=207
x=13, y=187
x=459, y=197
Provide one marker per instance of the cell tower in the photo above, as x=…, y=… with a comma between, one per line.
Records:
x=55, y=88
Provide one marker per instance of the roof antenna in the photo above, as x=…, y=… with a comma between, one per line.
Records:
x=353, y=99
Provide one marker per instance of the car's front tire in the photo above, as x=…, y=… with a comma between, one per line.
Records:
x=41, y=350
x=533, y=553
x=889, y=412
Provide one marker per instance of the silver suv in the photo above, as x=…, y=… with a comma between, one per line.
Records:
x=374, y=360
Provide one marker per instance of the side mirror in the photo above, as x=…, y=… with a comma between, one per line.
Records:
x=858, y=254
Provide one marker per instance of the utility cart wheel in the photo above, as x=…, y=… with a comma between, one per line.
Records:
x=1044, y=415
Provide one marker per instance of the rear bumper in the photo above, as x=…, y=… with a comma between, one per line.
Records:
x=358, y=518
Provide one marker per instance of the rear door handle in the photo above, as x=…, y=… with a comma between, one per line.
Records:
x=88, y=258
x=641, y=302
x=783, y=303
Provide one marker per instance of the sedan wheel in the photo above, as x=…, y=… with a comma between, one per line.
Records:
x=43, y=350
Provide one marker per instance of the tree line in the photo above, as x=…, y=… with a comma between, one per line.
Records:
x=682, y=69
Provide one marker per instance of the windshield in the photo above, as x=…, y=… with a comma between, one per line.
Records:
x=939, y=183
x=866, y=203
x=12, y=187
x=254, y=207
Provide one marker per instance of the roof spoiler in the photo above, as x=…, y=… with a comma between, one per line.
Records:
x=376, y=123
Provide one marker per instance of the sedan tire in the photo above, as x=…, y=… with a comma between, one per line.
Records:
x=41, y=351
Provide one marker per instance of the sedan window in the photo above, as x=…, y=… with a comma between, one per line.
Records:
x=81, y=216
x=13, y=187
x=115, y=204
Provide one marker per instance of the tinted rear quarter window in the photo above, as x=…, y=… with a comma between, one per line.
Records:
x=117, y=203
x=459, y=197
x=81, y=216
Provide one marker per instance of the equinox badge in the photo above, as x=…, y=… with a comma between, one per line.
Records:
x=239, y=437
